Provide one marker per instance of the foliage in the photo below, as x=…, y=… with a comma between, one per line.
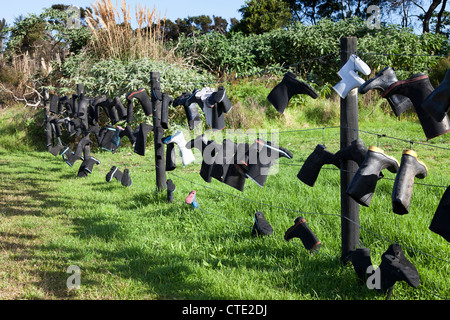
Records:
x=259, y=16
x=300, y=45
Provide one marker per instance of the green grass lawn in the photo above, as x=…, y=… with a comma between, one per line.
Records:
x=130, y=243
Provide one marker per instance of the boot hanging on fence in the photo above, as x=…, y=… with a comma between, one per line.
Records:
x=143, y=98
x=410, y=167
x=363, y=183
x=417, y=89
x=187, y=156
x=170, y=157
x=170, y=190
x=440, y=224
x=209, y=150
x=301, y=230
x=350, y=78
x=289, y=86
x=261, y=156
x=356, y=151
x=234, y=177
x=437, y=103
x=141, y=138
x=192, y=115
x=361, y=261
x=313, y=164
x=166, y=102
x=383, y=80
x=395, y=267
x=261, y=227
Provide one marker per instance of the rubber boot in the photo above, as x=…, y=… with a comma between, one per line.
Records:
x=114, y=172
x=410, y=168
x=313, y=164
x=361, y=261
x=289, y=86
x=130, y=111
x=262, y=155
x=186, y=154
x=190, y=109
x=356, y=151
x=170, y=157
x=192, y=199
x=126, y=179
x=166, y=102
x=364, y=181
x=395, y=267
x=222, y=100
x=141, y=138
x=234, y=177
x=209, y=150
x=54, y=101
x=440, y=224
x=223, y=160
x=383, y=80
x=261, y=226
x=437, y=103
x=301, y=230
x=143, y=98
x=351, y=81
x=121, y=110
x=170, y=190
x=128, y=132
x=417, y=89
x=355, y=64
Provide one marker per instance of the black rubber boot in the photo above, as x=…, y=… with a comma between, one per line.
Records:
x=222, y=100
x=114, y=172
x=395, y=267
x=141, y=138
x=364, y=181
x=209, y=149
x=234, y=177
x=261, y=227
x=356, y=151
x=190, y=109
x=383, y=80
x=121, y=110
x=128, y=132
x=144, y=99
x=223, y=160
x=417, y=89
x=440, y=224
x=301, y=230
x=290, y=85
x=170, y=190
x=361, y=261
x=126, y=179
x=410, y=168
x=54, y=101
x=166, y=102
x=262, y=155
x=313, y=164
x=437, y=103
x=170, y=157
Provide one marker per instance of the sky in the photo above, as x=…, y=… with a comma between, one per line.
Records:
x=171, y=9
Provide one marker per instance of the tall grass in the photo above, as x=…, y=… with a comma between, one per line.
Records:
x=114, y=36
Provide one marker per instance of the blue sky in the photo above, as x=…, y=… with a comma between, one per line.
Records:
x=172, y=9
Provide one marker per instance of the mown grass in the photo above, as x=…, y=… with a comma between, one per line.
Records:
x=130, y=243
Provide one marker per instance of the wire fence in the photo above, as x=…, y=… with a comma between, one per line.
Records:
x=299, y=164
x=335, y=215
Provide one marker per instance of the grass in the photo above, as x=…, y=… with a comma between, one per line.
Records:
x=130, y=243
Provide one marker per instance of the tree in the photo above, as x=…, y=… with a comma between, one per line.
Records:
x=3, y=33
x=260, y=16
x=311, y=11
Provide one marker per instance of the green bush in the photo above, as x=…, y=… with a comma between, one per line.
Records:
x=115, y=78
x=300, y=45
